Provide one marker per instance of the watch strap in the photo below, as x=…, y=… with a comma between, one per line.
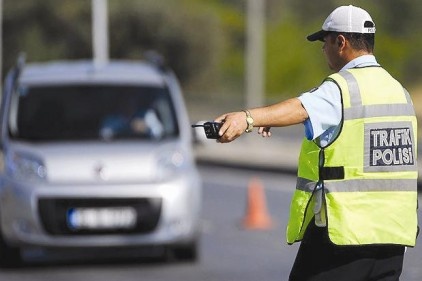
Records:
x=249, y=121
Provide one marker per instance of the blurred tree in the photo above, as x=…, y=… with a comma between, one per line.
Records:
x=45, y=30
x=204, y=40
x=397, y=48
x=51, y=30
x=293, y=64
x=171, y=29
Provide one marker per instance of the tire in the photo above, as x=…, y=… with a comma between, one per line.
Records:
x=186, y=253
x=10, y=257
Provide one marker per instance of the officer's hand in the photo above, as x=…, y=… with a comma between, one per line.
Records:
x=264, y=131
x=233, y=125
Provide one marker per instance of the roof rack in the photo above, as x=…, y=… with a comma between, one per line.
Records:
x=21, y=60
x=156, y=59
x=20, y=63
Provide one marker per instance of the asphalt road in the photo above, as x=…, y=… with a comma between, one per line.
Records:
x=228, y=251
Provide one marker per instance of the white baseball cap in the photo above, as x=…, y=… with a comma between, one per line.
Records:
x=349, y=19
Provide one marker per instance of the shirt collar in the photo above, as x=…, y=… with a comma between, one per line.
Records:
x=362, y=61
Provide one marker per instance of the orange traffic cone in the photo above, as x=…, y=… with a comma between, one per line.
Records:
x=257, y=216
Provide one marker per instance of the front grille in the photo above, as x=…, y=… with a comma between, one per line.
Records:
x=53, y=214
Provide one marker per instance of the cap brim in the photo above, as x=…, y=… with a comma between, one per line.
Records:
x=317, y=36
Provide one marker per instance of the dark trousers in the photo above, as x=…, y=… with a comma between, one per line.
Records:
x=320, y=260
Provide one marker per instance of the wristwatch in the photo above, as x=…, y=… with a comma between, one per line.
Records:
x=249, y=121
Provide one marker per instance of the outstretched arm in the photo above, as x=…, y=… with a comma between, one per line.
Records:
x=286, y=113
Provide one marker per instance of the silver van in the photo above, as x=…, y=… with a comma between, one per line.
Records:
x=96, y=156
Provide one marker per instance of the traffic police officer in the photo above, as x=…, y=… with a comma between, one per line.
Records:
x=355, y=205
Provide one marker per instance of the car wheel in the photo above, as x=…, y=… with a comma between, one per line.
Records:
x=10, y=257
x=188, y=252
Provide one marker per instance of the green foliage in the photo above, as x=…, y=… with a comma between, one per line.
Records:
x=50, y=30
x=45, y=31
x=171, y=29
x=204, y=40
x=293, y=64
x=390, y=54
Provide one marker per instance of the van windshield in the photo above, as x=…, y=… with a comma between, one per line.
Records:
x=90, y=112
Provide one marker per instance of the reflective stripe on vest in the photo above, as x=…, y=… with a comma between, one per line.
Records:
x=369, y=172
x=360, y=185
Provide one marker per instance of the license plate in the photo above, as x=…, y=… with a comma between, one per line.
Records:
x=101, y=218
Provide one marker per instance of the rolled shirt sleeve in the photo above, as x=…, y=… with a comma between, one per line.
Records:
x=323, y=105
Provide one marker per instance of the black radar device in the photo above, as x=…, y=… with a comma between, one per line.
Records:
x=211, y=129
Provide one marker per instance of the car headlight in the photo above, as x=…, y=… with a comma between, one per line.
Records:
x=25, y=167
x=169, y=163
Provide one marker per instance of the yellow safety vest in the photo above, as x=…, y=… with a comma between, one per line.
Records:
x=369, y=172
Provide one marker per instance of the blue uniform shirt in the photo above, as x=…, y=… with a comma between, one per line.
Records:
x=323, y=105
